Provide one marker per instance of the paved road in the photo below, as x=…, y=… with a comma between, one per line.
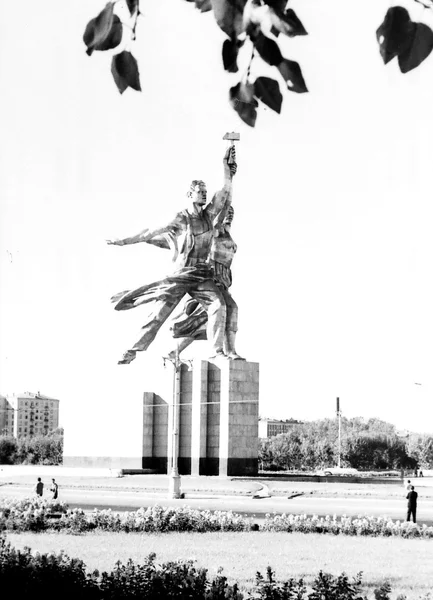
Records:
x=131, y=500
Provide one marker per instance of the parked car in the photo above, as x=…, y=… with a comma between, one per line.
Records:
x=338, y=471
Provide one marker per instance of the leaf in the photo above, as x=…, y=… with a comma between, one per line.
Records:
x=277, y=4
x=292, y=75
x=99, y=28
x=395, y=34
x=287, y=22
x=132, y=6
x=124, y=69
x=229, y=15
x=268, y=49
x=422, y=45
x=268, y=91
x=230, y=55
x=243, y=101
x=114, y=36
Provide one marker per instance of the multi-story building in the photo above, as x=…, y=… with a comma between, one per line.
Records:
x=33, y=414
x=6, y=417
x=270, y=427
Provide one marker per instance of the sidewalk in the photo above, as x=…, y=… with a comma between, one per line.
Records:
x=108, y=479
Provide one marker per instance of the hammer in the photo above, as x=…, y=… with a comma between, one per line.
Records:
x=232, y=138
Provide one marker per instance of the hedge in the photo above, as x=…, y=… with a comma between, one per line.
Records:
x=57, y=575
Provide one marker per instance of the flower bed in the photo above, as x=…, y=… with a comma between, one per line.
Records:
x=362, y=525
x=36, y=514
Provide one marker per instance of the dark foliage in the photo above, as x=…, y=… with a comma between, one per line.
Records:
x=365, y=445
x=398, y=37
x=57, y=575
x=34, y=450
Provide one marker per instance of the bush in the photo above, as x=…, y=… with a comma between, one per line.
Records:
x=34, y=450
x=362, y=525
x=50, y=575
x=8, y=448
x=37, y=514
x=29, y=514
x=57, y=575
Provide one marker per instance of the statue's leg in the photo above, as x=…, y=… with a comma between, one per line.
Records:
x=157, y=318
x=210, y=297
x=231, y=327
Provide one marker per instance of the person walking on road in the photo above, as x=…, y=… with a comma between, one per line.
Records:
x=411, y=504
x=39, y=488
x=54, y=489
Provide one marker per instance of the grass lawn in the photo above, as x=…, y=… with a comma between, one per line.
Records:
x=406, y=564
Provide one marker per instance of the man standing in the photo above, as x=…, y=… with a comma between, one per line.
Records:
x=54, y=489
x=39, y=488
x=411, y=504
x=192, y=230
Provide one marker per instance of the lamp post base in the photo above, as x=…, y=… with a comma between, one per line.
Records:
x=174, y=486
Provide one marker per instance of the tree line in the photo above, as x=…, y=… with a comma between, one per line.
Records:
x=32, y=450
x=370, y=444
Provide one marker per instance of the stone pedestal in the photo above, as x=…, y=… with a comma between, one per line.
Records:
x=218, y=421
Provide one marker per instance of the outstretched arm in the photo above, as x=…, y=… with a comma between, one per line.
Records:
x=147, y=234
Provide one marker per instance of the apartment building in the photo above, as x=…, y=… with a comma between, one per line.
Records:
x=29, y=414
x=271, y=427
x=6, y=417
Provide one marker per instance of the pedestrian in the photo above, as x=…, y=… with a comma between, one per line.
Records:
x=54, y=489
x=39, y=488
x=411, y=504
x=421, y=474
x=408, y=485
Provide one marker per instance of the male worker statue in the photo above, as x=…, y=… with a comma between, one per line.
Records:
x=190, y=324
x=194, y=227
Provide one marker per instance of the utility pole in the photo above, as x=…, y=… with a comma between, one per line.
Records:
x=174, y=477
x=339, y=432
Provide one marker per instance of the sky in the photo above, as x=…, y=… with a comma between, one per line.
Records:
x=332, y=199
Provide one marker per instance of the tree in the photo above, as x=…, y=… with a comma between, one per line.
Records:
x=33, y=450
x=252, y=28
x=420, y=448
x=8, y=447
x=371, y=444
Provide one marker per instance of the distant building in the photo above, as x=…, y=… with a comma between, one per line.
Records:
x=28, y=414
x=6, y=417
x=270, y=427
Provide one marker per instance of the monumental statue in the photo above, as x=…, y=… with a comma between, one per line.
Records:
x=190, y=235
x=190, y=324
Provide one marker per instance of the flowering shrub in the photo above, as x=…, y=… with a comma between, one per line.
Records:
x=361, y=525
x=35, y=514
x=29, y=514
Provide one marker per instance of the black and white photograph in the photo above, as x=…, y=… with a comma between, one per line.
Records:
x=216, y=323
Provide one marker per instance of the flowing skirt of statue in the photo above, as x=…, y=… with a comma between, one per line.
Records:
x=165, y=289
x=191, y=322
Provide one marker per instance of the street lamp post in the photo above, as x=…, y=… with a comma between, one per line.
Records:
x=174, y=477
x=339, y=432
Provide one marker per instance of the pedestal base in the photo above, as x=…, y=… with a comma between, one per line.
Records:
x=218, y=429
